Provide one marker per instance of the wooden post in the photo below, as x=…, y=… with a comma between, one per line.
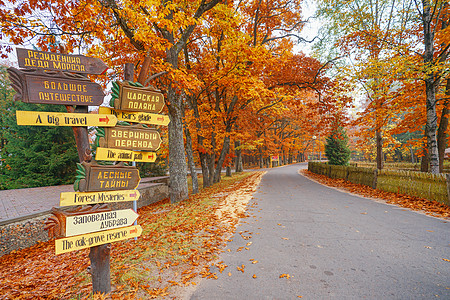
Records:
x=447, y=176
x=375, y=178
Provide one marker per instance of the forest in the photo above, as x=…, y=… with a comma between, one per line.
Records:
x=237, y=84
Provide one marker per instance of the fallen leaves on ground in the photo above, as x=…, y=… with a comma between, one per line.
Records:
x=429, y=207
x=178, y=243
x=287, y=276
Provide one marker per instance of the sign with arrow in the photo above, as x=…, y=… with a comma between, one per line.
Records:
x=87, y=223
x=39, y=118
x=36, y=86
x=134, y=137
x=79, y=198
x=95, y=239
x=92, y=177
x=136, y=117
x=110, y=154
x=60, y=62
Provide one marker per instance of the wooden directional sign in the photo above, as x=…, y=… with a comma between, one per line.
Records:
x=131, y=138
x=87, y=223
x=60, y=62
x=136, y=117
x=40, y=118
x=78, y=198
x=140, y=99
x=110, y=154
x=97, y=238
x=36, y=86
x=107, y=178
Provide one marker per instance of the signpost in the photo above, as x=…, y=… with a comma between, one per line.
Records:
x=38, y=118
x=79, y=198
x=134, y=137
x=95, y=239
x=60, y=62
x=110, y=154
x=56, y=78
x=76, y=225
x=107, y=178
x=36, y=86
x=136, y=117
x=134, y=98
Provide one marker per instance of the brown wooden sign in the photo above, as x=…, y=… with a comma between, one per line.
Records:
x=35, y=86
x=134, y=137
x=140, y=99
x=60, y=62
x=99, y=178
x=56, y=224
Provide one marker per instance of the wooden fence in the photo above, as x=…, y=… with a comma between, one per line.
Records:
x=424, y=185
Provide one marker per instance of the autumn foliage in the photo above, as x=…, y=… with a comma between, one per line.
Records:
x=178, y=245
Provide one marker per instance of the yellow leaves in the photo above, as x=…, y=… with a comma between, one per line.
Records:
x=254, y=276
x=254, y=262
x=287, y=276
x=444, y=259
x=241, y=268
x=221, y=266
x=285, y=238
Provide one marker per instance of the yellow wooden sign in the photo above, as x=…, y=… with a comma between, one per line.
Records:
x=136, y=117
x=95, y=239
x=87, y=223
x=110, y=154
x=41, y=118
x=78, y=198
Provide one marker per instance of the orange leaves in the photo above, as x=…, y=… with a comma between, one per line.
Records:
x=429, y=207
x=177, y=244
x=287, y=276
x=241, y=268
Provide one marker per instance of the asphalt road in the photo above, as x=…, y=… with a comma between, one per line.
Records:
x=333, y=245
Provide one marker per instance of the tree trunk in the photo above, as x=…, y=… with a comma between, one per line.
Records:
x=442, y=131
x=178, y=189
x=228, y=171
x=261, y=161
x=431, y=127
x=238, y=152
x=191, y=163
x=205, y=170
x=379, y=142
x=211, y=163
x=431, y=82
x=223, y=154
x=424, y=161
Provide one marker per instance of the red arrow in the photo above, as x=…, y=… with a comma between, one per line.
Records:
x=161, y=119
x=133, y=230
x=150, y=155
x=105, y=119
x=133, y=195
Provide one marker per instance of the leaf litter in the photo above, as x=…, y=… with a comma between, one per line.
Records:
x=429, y=207
x=178, y=247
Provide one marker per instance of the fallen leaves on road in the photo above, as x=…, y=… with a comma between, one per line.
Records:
x=241, y=268
x=429, y=207
x=287, y=276
x=444, y=259
x=178, y=244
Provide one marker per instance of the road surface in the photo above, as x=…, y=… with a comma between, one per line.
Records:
x=328, y=244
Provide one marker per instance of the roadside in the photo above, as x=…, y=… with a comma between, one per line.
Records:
x=176, y=249
x=432, y=208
